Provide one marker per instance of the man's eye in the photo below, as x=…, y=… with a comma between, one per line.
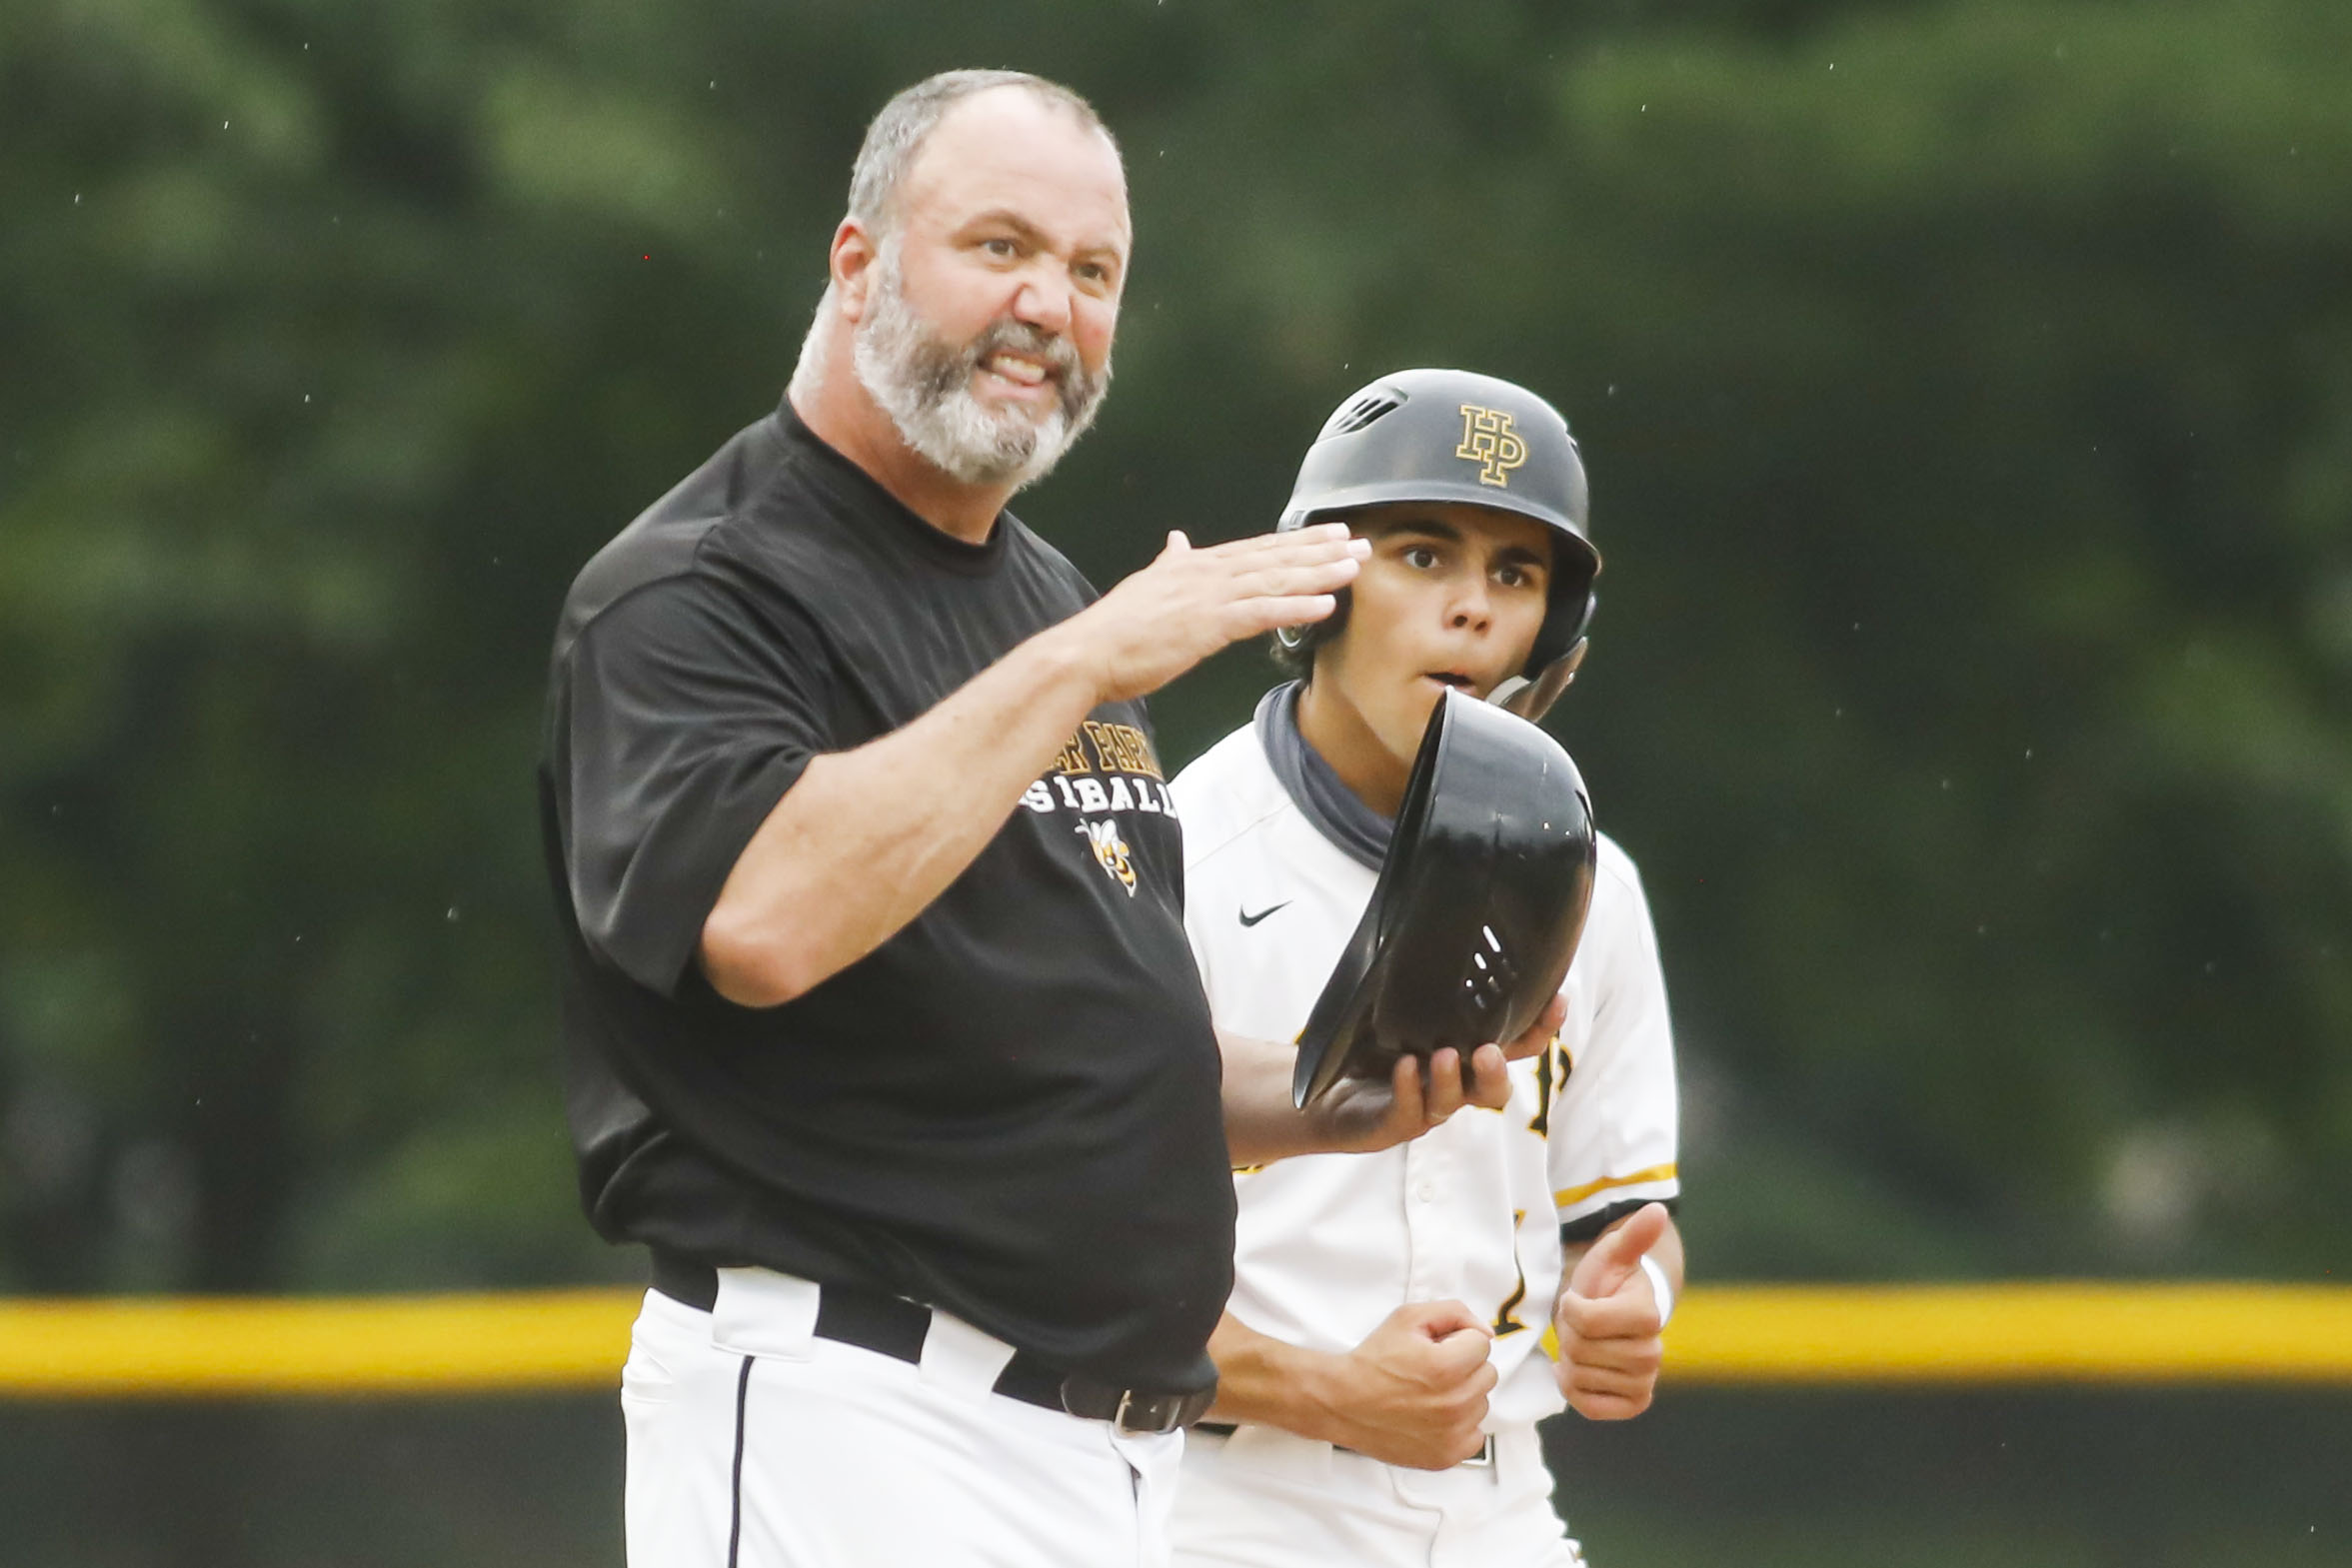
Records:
x=1421, y=556
x=1511, y=577
x=1001, y=248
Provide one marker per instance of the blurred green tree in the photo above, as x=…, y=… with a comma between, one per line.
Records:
x=1965, y=388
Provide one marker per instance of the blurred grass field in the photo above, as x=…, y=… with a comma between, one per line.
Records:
x=1708, y=1478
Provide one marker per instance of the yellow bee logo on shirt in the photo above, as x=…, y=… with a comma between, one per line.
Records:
x=1110, y=851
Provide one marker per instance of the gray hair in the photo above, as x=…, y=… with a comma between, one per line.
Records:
x=907, y=121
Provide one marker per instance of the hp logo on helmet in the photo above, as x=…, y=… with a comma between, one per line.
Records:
x=1489, y=440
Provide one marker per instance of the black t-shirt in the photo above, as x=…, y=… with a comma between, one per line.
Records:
x=1009, y=1108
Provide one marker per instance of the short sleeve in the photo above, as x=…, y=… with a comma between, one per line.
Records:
x=681, y=718
x=1613, y=1137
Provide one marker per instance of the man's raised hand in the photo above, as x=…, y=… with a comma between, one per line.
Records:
x=1188, y=604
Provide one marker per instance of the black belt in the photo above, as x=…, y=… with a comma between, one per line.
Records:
x=1485, y=1456
x=894, y=1326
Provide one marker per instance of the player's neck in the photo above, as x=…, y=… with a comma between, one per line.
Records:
x=1336, y=729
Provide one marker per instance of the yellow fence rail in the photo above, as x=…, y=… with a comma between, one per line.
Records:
x=566, y=1340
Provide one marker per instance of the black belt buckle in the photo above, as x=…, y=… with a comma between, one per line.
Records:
x=1135, y=1409
x=1151, y=1412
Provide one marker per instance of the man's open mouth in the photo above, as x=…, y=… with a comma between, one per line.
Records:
x=1018, y=369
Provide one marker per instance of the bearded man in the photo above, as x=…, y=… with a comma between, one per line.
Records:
x=881, y=1029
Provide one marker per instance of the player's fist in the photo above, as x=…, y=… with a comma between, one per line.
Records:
x=1609, y=1320
x=1414, y=1391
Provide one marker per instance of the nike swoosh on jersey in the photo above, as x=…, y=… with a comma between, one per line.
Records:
x=1252, y=920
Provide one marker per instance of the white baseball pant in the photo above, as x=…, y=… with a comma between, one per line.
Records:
x=1266, y=1498
x=754, y=1444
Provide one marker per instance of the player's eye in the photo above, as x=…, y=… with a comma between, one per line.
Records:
x=1419, y=557
x=1000, y=247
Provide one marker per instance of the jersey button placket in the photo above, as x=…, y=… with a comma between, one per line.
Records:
x=1422, y=1240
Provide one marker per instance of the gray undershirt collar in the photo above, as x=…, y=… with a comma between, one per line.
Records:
x=1335, y=811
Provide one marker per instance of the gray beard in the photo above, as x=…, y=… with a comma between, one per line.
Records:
x=925, y=385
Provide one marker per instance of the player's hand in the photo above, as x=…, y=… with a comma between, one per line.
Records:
x=1188, y=604
x=1414, y=1391
x=1608, y=1323
x=1537, y=1036
x=1360, y=1115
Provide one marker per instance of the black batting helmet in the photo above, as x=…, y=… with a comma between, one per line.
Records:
x=1479, y=906
x=1454, y=435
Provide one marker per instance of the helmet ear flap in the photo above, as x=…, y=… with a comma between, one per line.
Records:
x=1298, y=643
x=1294, y=640
x=1530, y=698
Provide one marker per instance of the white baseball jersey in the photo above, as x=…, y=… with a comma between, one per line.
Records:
x=1327, y=1245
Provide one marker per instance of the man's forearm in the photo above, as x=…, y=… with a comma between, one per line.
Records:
x=868, y=838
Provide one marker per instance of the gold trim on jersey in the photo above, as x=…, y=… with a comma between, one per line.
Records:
x=1546, y=1083
x=1569, y=1195
x=1504, y=1323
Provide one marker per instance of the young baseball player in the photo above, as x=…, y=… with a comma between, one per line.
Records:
x=1400, y=1320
